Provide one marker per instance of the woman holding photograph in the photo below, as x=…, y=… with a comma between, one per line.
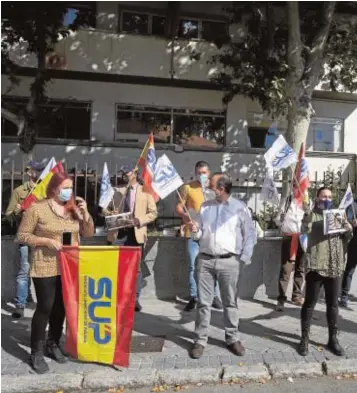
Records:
x=325, y=266
x=42, y=228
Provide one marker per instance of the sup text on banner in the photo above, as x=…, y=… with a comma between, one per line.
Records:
x=99, y=289
x=147, y=162
x=280, y=155
x=166, y=179
x=39, y=191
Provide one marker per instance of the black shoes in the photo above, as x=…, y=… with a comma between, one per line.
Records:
x=18, y=313
x=191, y=305
x=37, y=360
x=217, y=304
x=54, y=352
x=303, y=348
x=138, y=306
x=334, y=346
x=280, y=306
x=196, y=351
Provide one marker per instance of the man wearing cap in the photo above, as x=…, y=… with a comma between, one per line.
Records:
x=132, y=199
x=13, y=214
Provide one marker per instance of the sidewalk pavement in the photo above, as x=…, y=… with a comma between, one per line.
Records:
x=270, y=339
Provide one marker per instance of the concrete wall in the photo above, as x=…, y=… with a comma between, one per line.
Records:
x=165, y=269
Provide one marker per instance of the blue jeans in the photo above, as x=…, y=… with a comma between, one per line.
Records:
x=22, y=278
x=193, y=249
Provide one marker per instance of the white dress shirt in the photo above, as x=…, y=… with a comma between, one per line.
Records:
x=226, y=228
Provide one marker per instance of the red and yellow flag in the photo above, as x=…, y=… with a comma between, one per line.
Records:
x=147, y=161
x=39, y=191
x=99, y=288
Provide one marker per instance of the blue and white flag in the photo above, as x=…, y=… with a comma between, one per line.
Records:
x=166, y=179
x=347, y=199
x=280, y=155
x=106, y=189
x=303, y=238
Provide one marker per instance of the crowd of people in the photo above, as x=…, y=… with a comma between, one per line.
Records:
x=221, y=233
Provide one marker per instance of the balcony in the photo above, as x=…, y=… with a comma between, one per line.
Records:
x=135, y=55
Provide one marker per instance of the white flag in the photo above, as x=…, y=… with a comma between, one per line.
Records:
x=280, y=155
x=347, y=199
x=166, y=179
x=269, y=191
x=50, y=165
x=106, y=189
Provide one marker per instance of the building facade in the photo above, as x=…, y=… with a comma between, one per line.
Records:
x=122, y=79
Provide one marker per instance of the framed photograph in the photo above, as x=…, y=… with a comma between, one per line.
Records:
x=118, y=221
x=334, y=221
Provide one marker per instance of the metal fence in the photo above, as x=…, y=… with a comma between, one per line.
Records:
x=87, y=185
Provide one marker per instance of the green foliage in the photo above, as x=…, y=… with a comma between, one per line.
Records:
x=266, y=216
x=256, y=65
x=37, y=26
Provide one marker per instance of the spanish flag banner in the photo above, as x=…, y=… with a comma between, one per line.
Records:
x=39, y=191
x=99, y=288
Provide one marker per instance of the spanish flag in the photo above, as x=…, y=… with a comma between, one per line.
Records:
x=39, y=191
x=99, y=288
x=147, y=161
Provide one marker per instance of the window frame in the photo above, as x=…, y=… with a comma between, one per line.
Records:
x=182, y=111
x=150, y=16
x=328, y=121
x=52, y=103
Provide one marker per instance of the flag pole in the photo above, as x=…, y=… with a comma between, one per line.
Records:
x=135, y=171
x=183, y=205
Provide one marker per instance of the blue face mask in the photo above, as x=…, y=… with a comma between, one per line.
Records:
x=203, y=179
x=325, y=205
x=65, y=194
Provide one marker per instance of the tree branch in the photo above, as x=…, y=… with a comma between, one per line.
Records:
x=313, y=63
x=294, y=36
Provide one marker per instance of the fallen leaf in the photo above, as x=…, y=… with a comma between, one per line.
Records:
x=199, y=384
x=290, y=380
x=240, y=364
x=320, y=349
x=339, y=377
x=263, y=381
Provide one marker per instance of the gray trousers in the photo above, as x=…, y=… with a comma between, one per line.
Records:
x=226, y=272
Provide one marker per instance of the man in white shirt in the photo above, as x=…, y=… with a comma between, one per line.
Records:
x=227, y=237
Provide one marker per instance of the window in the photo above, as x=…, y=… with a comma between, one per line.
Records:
x=57, y=119
x=147, y=23
x=188, y=28
x=86, y=11
x=142, y=23
x=181, y=126
x=134, y=123
x=133, y=22
x=204, y=29
x=325, y=134
x=199, y=128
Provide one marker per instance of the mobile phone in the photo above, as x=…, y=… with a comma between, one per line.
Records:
x=67, y=238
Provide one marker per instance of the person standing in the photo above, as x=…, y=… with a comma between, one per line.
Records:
x=227, y=237
x=14, y=214
x=193, y=195
x=288, y=265
x=42, y=228
x=143, y=207
x=325, y=265
x=351, y=258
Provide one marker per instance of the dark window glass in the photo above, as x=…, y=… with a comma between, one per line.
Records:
x=135, y=23
x=188, y=28
x=212, y=31
x=16, y=107
x=135, y=125
x=199, y=130
x=257, y=136
x=158, y=25
x=78, y=122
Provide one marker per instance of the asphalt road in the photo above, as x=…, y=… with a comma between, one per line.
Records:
x=317, y=385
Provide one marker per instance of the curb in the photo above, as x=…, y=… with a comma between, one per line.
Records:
x=110, y=378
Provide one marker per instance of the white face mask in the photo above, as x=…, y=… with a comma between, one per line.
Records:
x=203, y=179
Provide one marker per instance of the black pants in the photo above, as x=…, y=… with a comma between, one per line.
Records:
x=332, y=286
x=287, y=267
x=350, y=267
x=50, y=309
